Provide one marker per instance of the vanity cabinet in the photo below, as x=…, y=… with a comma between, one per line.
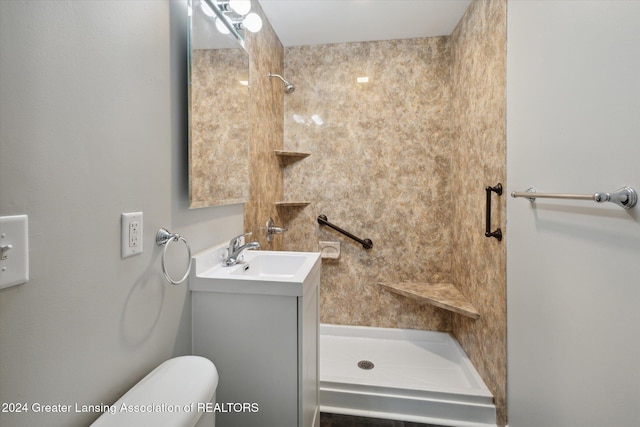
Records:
x=265, y=347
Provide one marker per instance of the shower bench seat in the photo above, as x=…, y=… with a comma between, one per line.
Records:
x=443, y=295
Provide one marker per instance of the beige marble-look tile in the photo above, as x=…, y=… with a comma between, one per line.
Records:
x=379, y=168
x=478, y=47
x=266, y=132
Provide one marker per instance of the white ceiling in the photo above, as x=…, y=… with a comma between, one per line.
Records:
x=310, y=22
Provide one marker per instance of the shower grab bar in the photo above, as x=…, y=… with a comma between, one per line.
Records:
x=497, y=233
x=625, y=197
x=366, y=243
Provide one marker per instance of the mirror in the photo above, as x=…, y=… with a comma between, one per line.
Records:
x=218, y=122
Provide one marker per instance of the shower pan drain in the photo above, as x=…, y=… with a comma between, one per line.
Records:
x=365, y=364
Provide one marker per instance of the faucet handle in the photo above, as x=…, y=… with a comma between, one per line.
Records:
x=235, y=242
x=272, y=229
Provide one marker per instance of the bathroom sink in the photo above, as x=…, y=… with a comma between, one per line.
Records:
x=268, y=266
x=261, y=272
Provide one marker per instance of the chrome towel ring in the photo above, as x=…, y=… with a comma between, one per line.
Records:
x=163, y=238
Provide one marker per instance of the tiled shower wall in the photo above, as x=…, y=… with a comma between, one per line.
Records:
x=379, y=167
x=478, y=122
x=266, y=131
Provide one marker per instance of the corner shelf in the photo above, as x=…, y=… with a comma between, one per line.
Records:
x=288, y=157
x=443, y=295
x=289, y=205
x=290, y=208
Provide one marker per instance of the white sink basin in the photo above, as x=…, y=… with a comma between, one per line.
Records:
x=261, y=272
x=273, y=265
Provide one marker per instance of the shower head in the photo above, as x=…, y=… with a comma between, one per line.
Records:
x=288, y=87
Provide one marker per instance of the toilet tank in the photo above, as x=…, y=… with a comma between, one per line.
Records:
x=174, y=394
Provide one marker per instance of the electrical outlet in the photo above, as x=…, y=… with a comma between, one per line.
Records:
x=131, y=234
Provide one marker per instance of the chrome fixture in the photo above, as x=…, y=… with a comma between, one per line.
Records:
x=272, y=230
x=163, y=238
x=625, y=197
x=232, y=16
x=235, y=250
x=288, y=87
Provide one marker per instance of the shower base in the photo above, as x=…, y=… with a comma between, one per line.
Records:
x=407, y=375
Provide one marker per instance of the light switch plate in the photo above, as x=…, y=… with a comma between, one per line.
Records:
x=14, y=250
x=131, y=234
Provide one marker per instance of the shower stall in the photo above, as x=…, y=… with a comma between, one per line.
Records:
x=395, y=140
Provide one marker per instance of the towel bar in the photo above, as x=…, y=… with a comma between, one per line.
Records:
x=625, y=197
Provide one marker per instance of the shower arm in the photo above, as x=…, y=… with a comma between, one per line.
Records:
x=288, y=87
x=278, y=76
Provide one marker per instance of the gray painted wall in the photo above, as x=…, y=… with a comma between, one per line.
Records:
x=573, y=107
x=93, y=124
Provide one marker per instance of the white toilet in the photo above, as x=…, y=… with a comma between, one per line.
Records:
x=179, y=393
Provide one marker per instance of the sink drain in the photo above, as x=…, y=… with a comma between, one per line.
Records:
x=365, y=364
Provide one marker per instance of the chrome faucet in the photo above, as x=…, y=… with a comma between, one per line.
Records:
x=272, y=229
x=235, y=250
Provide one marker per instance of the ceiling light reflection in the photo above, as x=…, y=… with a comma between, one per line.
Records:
x=315, y=119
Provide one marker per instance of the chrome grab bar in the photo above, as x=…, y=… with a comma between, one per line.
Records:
x=625, y=197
